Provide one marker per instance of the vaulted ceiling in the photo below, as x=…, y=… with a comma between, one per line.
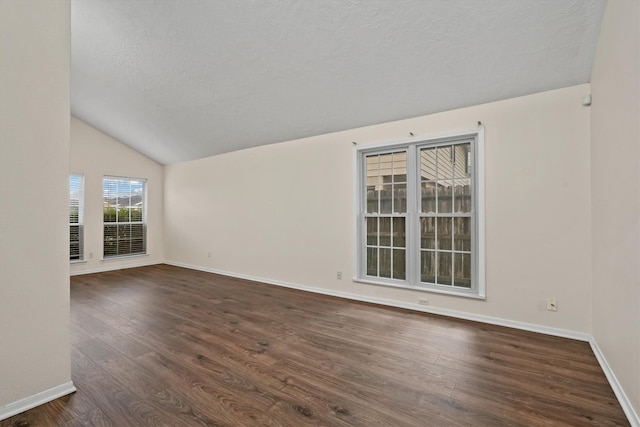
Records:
x=183, y=79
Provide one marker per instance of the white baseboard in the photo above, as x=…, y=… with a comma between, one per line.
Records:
x=627, y=407
x=564, y=333
x=114, y=267
x=37, y=399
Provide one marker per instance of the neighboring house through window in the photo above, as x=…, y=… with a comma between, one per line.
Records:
x=124, y=216
x=76, y=214
x=421, y=220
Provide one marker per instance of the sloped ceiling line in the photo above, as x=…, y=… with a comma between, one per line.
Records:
x=180, y=80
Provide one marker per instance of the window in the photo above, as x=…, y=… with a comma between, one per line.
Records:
x=124, y=216
x=421, y=220
x=76, y=214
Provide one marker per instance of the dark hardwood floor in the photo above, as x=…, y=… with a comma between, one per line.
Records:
x=166, y=346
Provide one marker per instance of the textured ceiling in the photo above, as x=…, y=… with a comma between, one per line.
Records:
x=185, y=79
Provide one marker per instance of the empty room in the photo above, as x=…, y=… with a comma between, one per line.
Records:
x=319, y=212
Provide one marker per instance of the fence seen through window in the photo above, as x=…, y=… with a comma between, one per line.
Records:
x=418, y=220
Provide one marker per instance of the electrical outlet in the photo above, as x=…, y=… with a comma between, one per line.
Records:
x=209, y=254
x=423, y=301
x=90, y=254
x=552, y=305
x=339, y=275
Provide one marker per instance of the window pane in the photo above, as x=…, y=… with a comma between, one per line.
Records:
x=124, y=194
x=74, y=251
x=444, y=268
x=399, y=264
x=372, y=170
x=137, y=246
x=123, y=215
x=386, y=199
x=462, y=195
x=399, y=238
x=137, y=231
x=372, y=261
x=385, y=262
x=136, y=214
x=445, y=196
x=428, y=267
x=136, y=200
x=444, y=233
x=124, y=247
x=428, y=194
x=445, y=162
x=124, y=237
x=462, y=267
x=110, y=192
x=372, y=231
x=428, y=233
x=74, y=242
x=76, y=202
x=428, y=164
x=372, y=199
x=385, y=231
x=462, y=161
x=110, y=240
x=386, y=168
x=73, y=214
x=110, y=232
x=109, y=214
x=400, y=198
x=400, y=167
x=462, y=234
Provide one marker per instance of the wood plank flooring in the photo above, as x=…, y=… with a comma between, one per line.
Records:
x=166, y=346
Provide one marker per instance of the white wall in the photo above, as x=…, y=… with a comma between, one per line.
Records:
x=615, y=181
x=285, y=212
x=95, y=155
x=34, y=167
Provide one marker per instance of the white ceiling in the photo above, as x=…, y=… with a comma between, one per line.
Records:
x=184, y=79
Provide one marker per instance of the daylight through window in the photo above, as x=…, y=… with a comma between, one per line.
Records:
x=420, y=223
x=124, y=216
x=76, y=214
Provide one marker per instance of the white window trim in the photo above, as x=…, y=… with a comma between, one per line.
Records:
x=412, y=282
x=121, y=257
x=144, y=220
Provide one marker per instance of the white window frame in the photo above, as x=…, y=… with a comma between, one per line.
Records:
x=80, y=223
x=412, y=147
x=106, y=257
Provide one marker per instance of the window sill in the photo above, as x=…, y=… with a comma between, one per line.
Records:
x=78, y=261
x=424, y=288
x=124, y=257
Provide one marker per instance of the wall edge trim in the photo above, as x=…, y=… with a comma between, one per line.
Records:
x=37, y=399
x=564, y=333
x=624, y=401
x=627, y=407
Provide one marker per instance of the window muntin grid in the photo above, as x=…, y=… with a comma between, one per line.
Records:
x=443, y=220
x=386, y=212
x=446, y=207
x=124, y=210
